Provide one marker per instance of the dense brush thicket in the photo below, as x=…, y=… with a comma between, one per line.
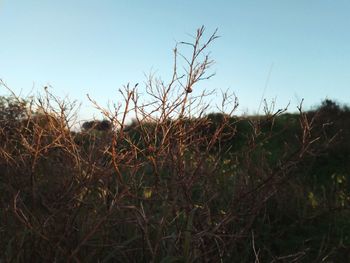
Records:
x=177, y=184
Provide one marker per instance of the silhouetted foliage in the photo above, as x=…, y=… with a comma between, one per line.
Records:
x=104, y=125
x=12, y=112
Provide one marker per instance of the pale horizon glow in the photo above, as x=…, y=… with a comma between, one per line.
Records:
x=282, y=50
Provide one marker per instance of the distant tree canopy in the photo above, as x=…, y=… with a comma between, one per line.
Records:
x=17, y=118
x=331, y=107
x=104, y=125
x=332, y=114
x=12, y=112
x=12, y=109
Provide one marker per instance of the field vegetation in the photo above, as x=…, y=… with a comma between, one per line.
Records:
x=165, y=178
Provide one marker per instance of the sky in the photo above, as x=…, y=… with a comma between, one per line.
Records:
x=282, y=50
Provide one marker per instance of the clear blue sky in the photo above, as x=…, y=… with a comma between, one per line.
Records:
x=96, y=46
